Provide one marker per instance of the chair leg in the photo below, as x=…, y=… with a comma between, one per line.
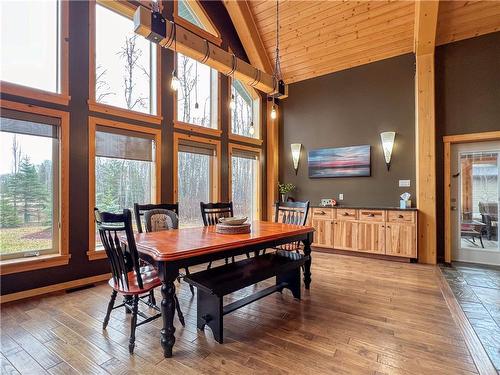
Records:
x=128, y=301
x=135, y=308
x=110, y=308
x=179, y=311
x=190, y=286
x=152, y=298
x=209, y=265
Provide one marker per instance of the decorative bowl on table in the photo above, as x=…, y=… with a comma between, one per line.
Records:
x=233, y=225
x=236, y=220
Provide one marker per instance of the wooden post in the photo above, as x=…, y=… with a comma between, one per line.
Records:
x=426, y=13
x=426, y=158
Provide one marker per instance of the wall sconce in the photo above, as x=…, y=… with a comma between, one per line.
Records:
x=296, y=147
x=387, y=145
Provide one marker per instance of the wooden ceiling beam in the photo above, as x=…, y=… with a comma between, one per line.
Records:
x=245, y=26
x=426, y=15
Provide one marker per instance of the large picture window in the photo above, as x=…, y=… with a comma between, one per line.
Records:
x=124, y=166
x=245, y=178
x=33, y=49
x=31, y=212
x=125, y=63
x=245, y=112
x=197, y=97
x=197, y=176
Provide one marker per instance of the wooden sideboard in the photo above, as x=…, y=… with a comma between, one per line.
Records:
x=374, y=231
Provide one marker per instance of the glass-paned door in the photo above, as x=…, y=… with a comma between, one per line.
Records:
x=475, y=196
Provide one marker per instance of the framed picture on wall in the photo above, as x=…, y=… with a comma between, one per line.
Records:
x=353, y=161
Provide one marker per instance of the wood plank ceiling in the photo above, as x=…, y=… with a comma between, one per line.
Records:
x=321, y=37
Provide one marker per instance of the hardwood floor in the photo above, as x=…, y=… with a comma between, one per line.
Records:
x=361, y=316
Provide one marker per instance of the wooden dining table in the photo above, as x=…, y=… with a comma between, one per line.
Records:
x=169, y=251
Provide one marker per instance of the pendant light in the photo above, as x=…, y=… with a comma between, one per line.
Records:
x=196, y=105
x=175, y=84
x=277, y=64
x=232, y=102
x=251, y=130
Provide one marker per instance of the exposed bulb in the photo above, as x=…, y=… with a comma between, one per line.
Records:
x=252, y=129
x=232, y=103
x=175, y=84
x=274, y=114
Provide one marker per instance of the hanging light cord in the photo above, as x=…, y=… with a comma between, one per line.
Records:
x=277, y=67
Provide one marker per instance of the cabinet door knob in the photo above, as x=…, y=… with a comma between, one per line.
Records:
x=371, y=215
x=345, y=214
x=388, y=226
x=401, y=216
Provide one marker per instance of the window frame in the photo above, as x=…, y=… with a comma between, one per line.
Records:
x=126, y=9
x=258, y=151
x=215, y=168
x=92, y=252
x=62, y=257
x=242, y=138
x=188, y=127
x=63, y=97
x=212, y=36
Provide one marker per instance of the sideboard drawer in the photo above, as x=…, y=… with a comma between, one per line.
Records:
x=322, y=213
x=346, y=214
x=401, y=216
x=371, y=215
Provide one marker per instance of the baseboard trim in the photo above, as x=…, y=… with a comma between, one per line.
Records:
x=476, y=350
x=53, y=288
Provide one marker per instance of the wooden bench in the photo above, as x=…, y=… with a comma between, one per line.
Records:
x=213, y=284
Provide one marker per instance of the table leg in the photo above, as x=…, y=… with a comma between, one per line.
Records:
x=307, y=265
x=168, y=310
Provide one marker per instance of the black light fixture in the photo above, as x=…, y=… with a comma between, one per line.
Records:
x=175, y=84
x=278, y=83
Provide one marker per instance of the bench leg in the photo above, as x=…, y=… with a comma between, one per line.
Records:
x=210, y=312
x=292, y=278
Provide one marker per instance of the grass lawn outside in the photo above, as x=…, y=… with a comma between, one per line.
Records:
x=13, y=240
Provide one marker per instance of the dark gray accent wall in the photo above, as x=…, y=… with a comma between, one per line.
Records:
x=467, y=98
x=350, y=108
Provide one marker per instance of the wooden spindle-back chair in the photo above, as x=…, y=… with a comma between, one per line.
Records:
x=291, y=213
x=212, y=212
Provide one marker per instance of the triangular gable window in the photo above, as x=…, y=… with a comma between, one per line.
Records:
x=191, y=15
x=188, y=14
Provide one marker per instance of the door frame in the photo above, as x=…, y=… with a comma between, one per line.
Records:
x=448, y=140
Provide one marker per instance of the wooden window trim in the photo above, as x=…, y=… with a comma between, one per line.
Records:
x=258, y=152
x=215, y=170
x=126, y=9
x=61, y=98
x=215, y=132
x=52, y=260
x=92, y=253
x=213, y=36
x=238, y=137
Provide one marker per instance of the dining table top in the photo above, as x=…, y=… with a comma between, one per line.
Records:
x=176, y=244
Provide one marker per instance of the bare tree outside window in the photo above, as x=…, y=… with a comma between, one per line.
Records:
x=198, y=84
x=125, y=64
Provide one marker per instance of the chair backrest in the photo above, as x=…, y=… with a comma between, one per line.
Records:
x=160, y=219
x=140, y=209
x=211, y=212
x=291, y=212
x=122, y=260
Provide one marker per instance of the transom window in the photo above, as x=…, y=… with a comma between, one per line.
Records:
x=29, y=185
x=125, y=64
x=30, y=48
x=245, y=180
x=197, y=95
x=197, y=177
x=245, y=112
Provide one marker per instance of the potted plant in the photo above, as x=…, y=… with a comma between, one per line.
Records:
x=284, y=189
